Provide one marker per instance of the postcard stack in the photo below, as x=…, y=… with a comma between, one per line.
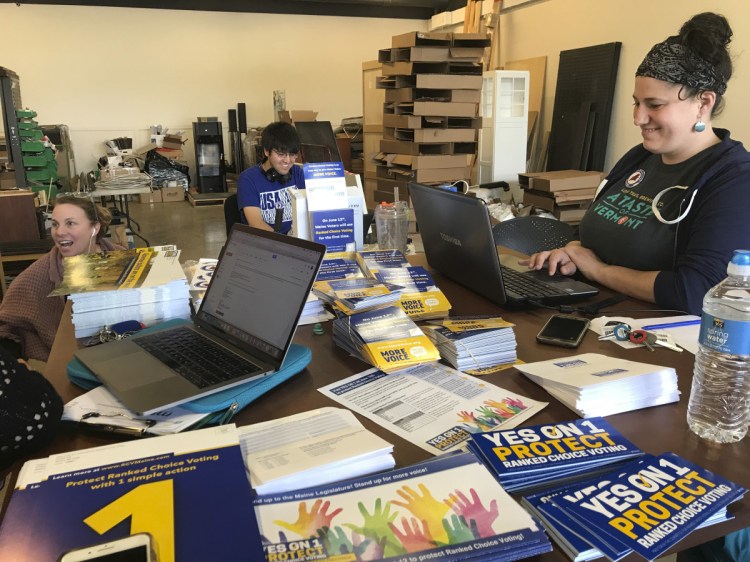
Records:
x=597, y=385
x=645, y=506
x=474, y=343
x=421, y=299
x=339, y=265
x=311, y=449
x=372, y=261
x=182, y=489
x=385, y=338
x=449, y=509
x=534, y=455
x=143, y=284
x=350, y=296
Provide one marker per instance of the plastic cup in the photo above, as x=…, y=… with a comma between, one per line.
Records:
x=392, y=225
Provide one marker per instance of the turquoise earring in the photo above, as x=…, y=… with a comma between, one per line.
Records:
x=699, y=127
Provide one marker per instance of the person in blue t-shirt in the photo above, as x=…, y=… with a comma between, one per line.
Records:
x=262, y=194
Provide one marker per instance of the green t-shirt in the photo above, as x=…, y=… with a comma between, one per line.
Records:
x=620, y=226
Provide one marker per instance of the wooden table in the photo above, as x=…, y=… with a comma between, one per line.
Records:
x=654, y=430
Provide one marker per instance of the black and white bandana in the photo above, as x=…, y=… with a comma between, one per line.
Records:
x=672, y=62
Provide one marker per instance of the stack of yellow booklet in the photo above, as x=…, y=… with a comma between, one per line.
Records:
x=385, y=338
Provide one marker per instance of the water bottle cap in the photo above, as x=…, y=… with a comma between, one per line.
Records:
x=740, y=264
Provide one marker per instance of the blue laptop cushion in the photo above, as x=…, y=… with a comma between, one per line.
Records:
x=297, y=358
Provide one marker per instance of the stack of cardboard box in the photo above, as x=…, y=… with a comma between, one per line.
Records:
x=432, y=85
x=564, y=193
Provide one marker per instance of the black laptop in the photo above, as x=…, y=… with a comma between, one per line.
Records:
x=242, y=330
x=458, y=242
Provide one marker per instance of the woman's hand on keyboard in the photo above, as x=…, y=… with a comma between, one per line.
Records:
x=559, y=260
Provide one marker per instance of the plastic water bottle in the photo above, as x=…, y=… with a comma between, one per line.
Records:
x=719, y=407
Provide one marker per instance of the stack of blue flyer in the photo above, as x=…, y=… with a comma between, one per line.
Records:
x=349, y=296
x=339, y=265
x=421, y=298
x=372, y=261
x=472, y=343
x=529, y=457
x=448, y=508
x=385, y=338
x=645, y=506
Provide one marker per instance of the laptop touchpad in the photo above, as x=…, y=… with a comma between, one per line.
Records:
x=127, y=375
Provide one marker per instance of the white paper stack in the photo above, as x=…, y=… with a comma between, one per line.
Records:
x=597, y=385
x=311, y=449
x=474, y=343
x=314, y=311
x=143, y=284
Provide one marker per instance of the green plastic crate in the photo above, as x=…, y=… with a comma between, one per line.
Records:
x=30, y=134
x=25, y=113
x=32, y=146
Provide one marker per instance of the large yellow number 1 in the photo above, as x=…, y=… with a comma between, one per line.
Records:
x=151, y=508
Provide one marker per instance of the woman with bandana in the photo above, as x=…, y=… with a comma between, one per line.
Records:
x=668, y=216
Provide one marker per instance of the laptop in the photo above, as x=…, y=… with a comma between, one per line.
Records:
x=246, y=321
x=459, y=243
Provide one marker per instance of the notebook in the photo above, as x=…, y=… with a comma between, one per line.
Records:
x=247, y=317
x=459, y=243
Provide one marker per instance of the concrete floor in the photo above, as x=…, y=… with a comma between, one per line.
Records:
x=199, y=232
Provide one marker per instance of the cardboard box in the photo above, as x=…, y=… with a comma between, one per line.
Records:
x=171, y=153
x=414, y=54
x=400, y=68
x=476, y=40
x=421, y=38
x=423, y=161
x=439, y=108
x=172, y=194
x=436, y=135
x=153, y=197
x=173, y=141
x=7, y=180
x=297, y=115
x=447, y=81
x=414, y=148
x=402, y=121
x=423, y=94
x=560, y=180
x=424, y=175
x=467, y=54
x=539, y=200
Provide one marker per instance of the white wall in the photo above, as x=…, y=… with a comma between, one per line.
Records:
x=110, y=72
x=546, y=27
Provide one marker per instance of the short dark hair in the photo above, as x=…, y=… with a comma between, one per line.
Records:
x=281, y=137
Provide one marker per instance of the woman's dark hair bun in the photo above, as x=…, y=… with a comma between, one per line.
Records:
x=708, y=35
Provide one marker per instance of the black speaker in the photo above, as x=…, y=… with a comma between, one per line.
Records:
x=232, y=121
x=241, y=118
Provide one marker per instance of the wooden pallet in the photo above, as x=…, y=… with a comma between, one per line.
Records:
x=205, y=199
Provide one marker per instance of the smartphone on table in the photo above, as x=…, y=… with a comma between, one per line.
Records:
x=135, y=548
x=563, y=330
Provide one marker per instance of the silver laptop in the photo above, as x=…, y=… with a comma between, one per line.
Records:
x=242, y=330
x=458, y=242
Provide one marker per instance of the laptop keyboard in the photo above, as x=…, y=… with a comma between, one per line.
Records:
x=527, y=286
x=195, y=358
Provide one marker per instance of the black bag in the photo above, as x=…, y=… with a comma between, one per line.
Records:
x=163, y=170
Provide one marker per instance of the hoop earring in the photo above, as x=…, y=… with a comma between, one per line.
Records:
x=699, y=126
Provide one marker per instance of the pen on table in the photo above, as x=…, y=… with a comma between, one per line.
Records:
x=671, y=325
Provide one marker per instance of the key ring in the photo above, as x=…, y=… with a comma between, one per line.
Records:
x=638, y=336
x=622, y=332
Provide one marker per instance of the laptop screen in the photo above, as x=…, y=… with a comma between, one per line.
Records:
x=259, y=287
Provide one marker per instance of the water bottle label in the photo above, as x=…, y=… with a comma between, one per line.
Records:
x=725, y=336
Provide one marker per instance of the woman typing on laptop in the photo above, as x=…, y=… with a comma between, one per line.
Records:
x=668, y=216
